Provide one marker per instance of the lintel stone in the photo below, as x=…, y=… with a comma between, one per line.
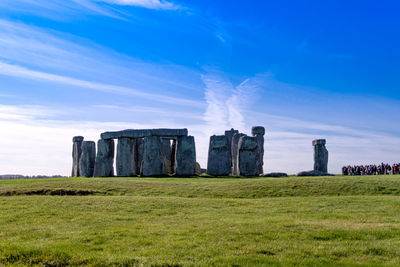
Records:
x=144, y=133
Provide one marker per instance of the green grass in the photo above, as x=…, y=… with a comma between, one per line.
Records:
x=326, y=221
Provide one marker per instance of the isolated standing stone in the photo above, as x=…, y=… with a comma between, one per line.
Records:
x=320, y=155
x=235, y=150
x=139, y=154
x=185, y=163
x=125, y=163
x=87, y=160
x=248, y=156
x=104, y=159
x=259, y=132
x=76, y=154
x=219, y=156
x=153, y=160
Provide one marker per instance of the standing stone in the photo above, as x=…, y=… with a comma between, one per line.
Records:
x=125, y=163
x=235, y=150
x=76, y=154
x=166, y=151
x=104, y=159
x=259, y=132
x=320, y=156
x=153, y=160
x=87, y=161
x=198, y=169
x=229, y=135
x=248, y=156
x=139, y=154
x=185, y=163
x=219, y=156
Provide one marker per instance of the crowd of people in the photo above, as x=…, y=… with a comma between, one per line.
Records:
x=381, y=169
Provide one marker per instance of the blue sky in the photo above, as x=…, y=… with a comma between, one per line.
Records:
x=303, y=69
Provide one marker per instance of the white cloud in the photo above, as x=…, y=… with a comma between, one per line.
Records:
x=227, y=104
x=151, y=4
x=21, y=72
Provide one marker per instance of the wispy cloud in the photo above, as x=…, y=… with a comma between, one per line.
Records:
x=61, y=10
x=151, y=4
x=21, y=72
x=226, y=103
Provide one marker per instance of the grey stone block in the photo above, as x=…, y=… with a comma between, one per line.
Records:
x=139, y=154
x=185, y=163
x=77, y=139
x=320, y=156
x=125, y=163
x=276, y=174
x=229, y=134
x=219, y=156
x=198, y=169
x=166, y=150
x=76, y=155
x=104, y=165
x=144, y=133
x=258, y=130
x=87, y=160
x=234, y=152
x=248, y=156
x=153, y=160
x=314, y=173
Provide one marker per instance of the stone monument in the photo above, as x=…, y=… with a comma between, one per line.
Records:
x=76, y=155
x=219, y=156
x=248, y=156
x=103, y=166
x=125, y=163
x=320, y=156
x=259, y=132
x=87, y=160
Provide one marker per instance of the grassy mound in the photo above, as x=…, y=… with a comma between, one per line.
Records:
x=326, y=221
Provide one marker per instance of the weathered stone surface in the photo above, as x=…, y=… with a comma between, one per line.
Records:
x=125, y=163
x=144, y=133
x=320, y=156
x=87, y=160
x=185, y=163
x=259, y=132
x=321, y=142
x=76, y=155
x=153, y=160
x=139, y=154
x=276, y=174
x=248, y=156
x=167, y=151
x=234, y=152
x=104, y=159
x=229, y=134
x=314, y=173
x=77, y=139
x=198, y=169
x=219, y=156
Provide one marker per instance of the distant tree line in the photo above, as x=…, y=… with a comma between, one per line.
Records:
x=18, y=176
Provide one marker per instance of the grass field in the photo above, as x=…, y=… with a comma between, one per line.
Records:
x=327, y=221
